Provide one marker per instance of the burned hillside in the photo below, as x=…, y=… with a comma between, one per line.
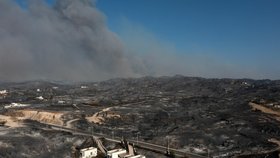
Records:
x=206, y=116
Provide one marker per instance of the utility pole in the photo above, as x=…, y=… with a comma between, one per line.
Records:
x=168, y=152
x=137, y=138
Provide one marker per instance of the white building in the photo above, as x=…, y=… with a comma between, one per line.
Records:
x=3, y=92
x=84, y=87
x=115, y=153
x=61, y=102
x=15, y=105
x=136, y=156
x=88, y=152
x=40, y=98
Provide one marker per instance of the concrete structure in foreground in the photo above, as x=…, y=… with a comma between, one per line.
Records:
x=135, y=156
x=88, y=152
x=121, y=153
x=116, y=153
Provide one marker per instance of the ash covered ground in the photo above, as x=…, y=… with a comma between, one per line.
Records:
x=206, y=116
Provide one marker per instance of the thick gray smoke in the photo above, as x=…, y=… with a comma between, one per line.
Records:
x=69, y=41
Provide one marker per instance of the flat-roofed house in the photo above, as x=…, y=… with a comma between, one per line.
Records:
x=88, y=152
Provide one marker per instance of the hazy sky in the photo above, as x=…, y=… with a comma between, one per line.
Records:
x=217, y=38
x=245, y=33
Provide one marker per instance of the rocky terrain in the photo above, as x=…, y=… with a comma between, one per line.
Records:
x=214, y=117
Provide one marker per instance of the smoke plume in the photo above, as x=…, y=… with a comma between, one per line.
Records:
x=69, y=41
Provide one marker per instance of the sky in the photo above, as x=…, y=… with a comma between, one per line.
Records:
x=216, y=39
x=245, y=33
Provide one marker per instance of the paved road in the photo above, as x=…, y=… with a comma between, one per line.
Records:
x=163, y=149
x=138, y=144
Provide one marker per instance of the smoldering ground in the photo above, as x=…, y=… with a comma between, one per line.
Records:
x=69, y=41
